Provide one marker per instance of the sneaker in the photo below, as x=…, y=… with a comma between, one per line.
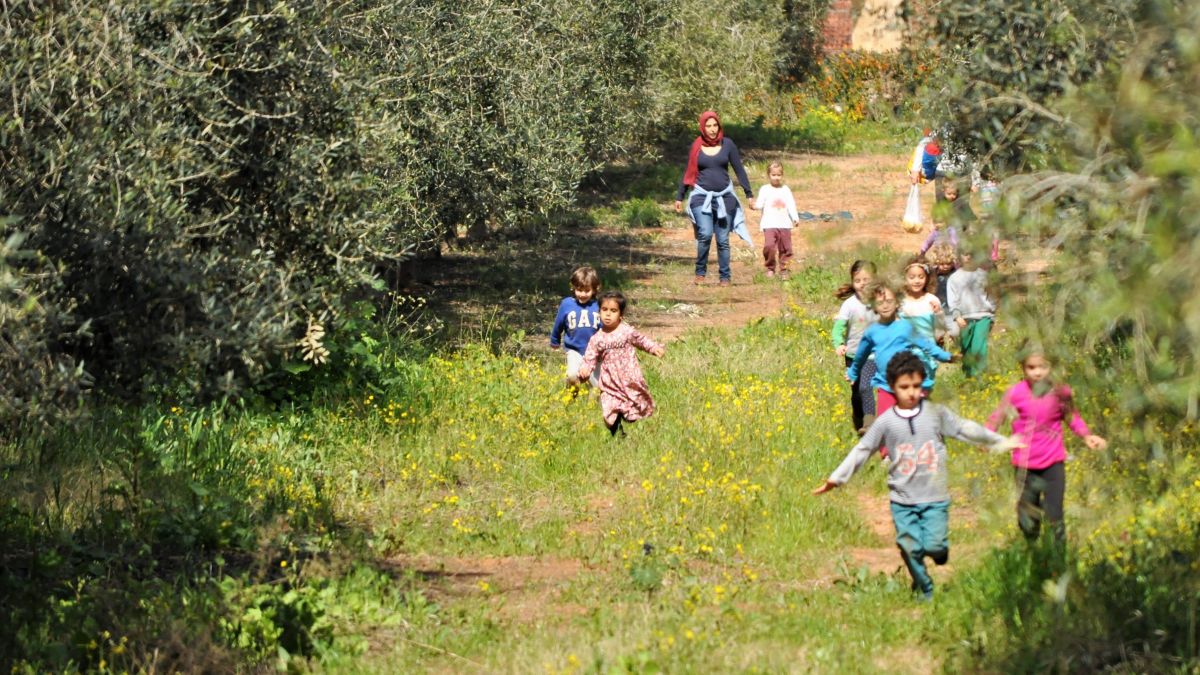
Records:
x=771, y=273
x=724, y=282
x=698, y=280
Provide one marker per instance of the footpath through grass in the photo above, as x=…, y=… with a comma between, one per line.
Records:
x=693, y=544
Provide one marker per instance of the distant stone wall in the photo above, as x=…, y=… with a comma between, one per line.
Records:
x=876, y=28
x=839, y=27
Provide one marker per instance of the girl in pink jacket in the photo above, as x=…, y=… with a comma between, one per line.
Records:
x=1038, y=407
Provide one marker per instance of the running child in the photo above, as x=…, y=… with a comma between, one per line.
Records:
x=973, y=312
x=921, y=307
x=778, y=216
x=1038, y=406
x=848, y=328
x=943, y=261
x=886, y=338
x=624, y=395
x=579, y=319
x=917, y=477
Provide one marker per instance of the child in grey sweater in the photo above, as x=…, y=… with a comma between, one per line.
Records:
x=913, y=430
x=973, y=311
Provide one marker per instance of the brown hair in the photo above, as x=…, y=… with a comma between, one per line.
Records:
x=879, y=285
x=846, y=290
x=930, y=277
x=585, y=278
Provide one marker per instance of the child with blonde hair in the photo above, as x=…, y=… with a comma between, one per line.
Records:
x=778, y=216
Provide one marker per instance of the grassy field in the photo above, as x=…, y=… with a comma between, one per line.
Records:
x=460, y=510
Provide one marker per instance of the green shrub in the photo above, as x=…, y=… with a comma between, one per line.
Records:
x=1012, y=62
x=641, y=213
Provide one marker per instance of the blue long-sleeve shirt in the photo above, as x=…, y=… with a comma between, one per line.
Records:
x=886, y=340
x=575, y=324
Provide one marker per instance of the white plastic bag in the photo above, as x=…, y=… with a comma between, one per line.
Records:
x=912, y=212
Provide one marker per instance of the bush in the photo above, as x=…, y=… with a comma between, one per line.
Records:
x=641, y=213
x=1012, y=62
x=197, y=186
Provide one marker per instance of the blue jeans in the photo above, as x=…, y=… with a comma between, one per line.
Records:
x=708, y=224
x=922, y=530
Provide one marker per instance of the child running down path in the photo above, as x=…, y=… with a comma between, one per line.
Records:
x=1038, y=407
x=624, y=395
x=916, y=466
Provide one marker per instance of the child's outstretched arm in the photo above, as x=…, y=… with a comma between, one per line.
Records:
x=1005, y=411
x=932, y=349
x=645, y=343
x=1077, y=425
x=840, y=328
x=975, y=433
x=590, y=356
x=860, y=454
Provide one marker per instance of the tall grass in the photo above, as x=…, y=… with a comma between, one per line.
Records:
x=479, y=517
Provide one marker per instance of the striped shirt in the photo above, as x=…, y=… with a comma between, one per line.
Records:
x=916, y=451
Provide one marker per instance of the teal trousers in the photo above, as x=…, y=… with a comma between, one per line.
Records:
x=922, y=530
x=973, y=340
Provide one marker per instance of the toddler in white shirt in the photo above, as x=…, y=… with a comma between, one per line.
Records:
x=778, y=215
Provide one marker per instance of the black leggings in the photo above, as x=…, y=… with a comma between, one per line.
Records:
x=1041, y=499
x=616, y=425
x=862, y=398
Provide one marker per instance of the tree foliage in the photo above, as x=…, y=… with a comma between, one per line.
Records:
x=194, y=182
x=1121, y=202
x=1011, y=63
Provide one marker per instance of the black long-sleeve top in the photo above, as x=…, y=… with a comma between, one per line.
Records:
x=714, y=175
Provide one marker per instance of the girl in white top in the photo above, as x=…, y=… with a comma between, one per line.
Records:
x=922, y=308
x=848, y=328
x=778, y=215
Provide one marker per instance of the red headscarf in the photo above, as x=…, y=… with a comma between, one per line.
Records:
x=693, y=169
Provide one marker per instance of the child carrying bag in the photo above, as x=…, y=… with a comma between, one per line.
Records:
x=912, y=212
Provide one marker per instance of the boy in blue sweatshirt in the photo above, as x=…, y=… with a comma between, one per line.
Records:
x=577, y=321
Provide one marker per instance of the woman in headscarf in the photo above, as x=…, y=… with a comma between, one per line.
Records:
x=712, y=207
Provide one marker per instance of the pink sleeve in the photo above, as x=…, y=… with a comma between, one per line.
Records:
x=1076, y=423
x=590, y=356
x=642, y=342
x=1002, y=413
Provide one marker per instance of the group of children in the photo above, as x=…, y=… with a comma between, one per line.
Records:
x=891, y=335
x=892, y=375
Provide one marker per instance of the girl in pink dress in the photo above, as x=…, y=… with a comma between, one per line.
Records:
x=1038, y=407
x=624, y=395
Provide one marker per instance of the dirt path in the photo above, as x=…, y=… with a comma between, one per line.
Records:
x=871, y=188
x=655, y=267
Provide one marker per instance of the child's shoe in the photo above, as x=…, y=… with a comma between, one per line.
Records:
x=698, y=281
x=770, y=273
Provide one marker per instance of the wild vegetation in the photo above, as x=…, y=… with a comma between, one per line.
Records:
x=227, y=443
